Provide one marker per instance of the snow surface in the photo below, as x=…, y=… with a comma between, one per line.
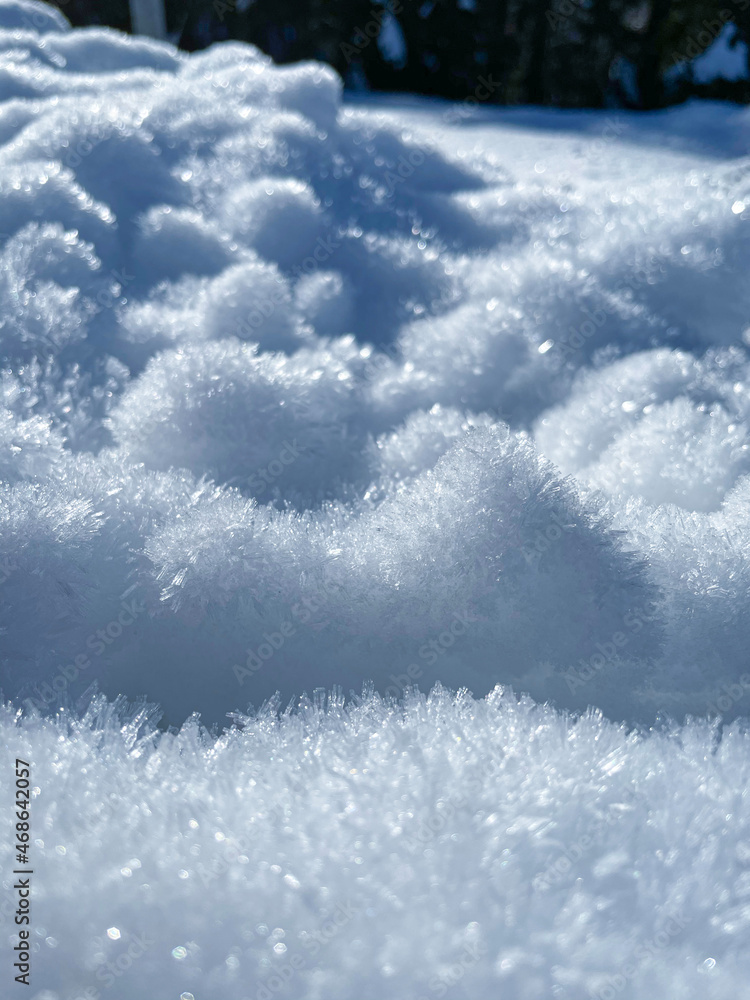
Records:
x=726, y=58
x=299, y=382
x=445, y=847
x=300, y=393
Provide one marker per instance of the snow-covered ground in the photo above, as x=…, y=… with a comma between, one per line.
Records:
x=446, y=848
x=301, y=392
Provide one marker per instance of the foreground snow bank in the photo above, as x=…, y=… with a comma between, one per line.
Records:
x=296, y=393
x=459, y=859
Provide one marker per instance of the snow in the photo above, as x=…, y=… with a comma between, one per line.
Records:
x=291, y=358
x=444, y=847
x=29, y=15
x=271, y=359
x=301, y=393
x=725, y=58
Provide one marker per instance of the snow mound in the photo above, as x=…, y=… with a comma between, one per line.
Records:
x=28, y=15
x=297, y=392
x=225, y=411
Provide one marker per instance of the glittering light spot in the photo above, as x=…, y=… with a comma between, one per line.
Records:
x=113, y=933
x=186, y=996
x=738, y=207
x=179, y=953
x=546, y=346
x=183, y=874
x=279, y=948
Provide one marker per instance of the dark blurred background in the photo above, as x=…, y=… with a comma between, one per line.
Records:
x=565, y=53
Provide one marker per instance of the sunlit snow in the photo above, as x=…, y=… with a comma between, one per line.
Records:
x=304, y=392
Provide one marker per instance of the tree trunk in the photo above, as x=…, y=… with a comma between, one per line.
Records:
x=536, y=82
x=650, y=82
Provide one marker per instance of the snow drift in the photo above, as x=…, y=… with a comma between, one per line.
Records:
x=298, y=382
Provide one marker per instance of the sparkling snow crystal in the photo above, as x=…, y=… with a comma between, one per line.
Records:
x=299, y=393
